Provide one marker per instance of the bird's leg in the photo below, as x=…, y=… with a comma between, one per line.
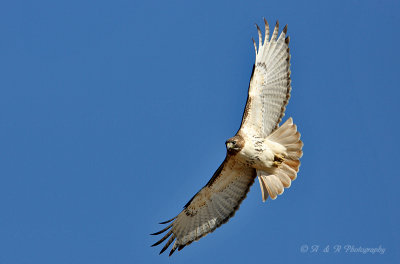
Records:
x=278, y=159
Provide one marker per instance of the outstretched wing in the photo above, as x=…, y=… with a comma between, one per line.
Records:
x=269, y=89
x=211, y=207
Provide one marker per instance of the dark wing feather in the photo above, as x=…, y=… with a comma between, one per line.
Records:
x=211, y=207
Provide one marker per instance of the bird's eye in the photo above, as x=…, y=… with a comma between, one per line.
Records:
x=234, y=142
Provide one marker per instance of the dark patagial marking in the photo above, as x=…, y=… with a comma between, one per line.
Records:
x=210, y=182
x=216, y=173
x=248, y=101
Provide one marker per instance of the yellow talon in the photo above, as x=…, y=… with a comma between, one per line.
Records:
x=278, y=159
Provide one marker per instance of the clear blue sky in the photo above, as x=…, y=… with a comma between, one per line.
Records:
x=114, y=113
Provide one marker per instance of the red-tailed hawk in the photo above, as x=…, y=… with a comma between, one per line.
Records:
x=261, y=148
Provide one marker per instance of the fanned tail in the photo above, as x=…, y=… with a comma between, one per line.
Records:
x=273, y=183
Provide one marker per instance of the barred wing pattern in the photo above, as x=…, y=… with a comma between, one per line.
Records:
x=211, y=207
x=220, y=198
x=269, y=89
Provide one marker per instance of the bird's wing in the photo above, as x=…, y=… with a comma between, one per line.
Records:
x=269, y=89
x=211, y=207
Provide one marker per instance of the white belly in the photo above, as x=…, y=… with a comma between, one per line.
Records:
x=260, y=153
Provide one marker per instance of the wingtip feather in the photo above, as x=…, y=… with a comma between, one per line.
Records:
x=162, y=231
x=166, y=222
x=255, y=45
x=259, y=36
x=285, y=29
x=162, y=239
x=171, y=239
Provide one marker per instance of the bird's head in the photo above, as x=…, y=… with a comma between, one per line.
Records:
x=234, y=144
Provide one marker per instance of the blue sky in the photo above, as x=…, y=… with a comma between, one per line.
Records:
x=114, y=113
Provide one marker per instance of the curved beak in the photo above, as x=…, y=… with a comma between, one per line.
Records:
x=229, y=145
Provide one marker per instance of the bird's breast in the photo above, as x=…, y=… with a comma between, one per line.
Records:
x=257, y=153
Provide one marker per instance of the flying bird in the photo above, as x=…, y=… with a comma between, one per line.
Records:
x=260, y=149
